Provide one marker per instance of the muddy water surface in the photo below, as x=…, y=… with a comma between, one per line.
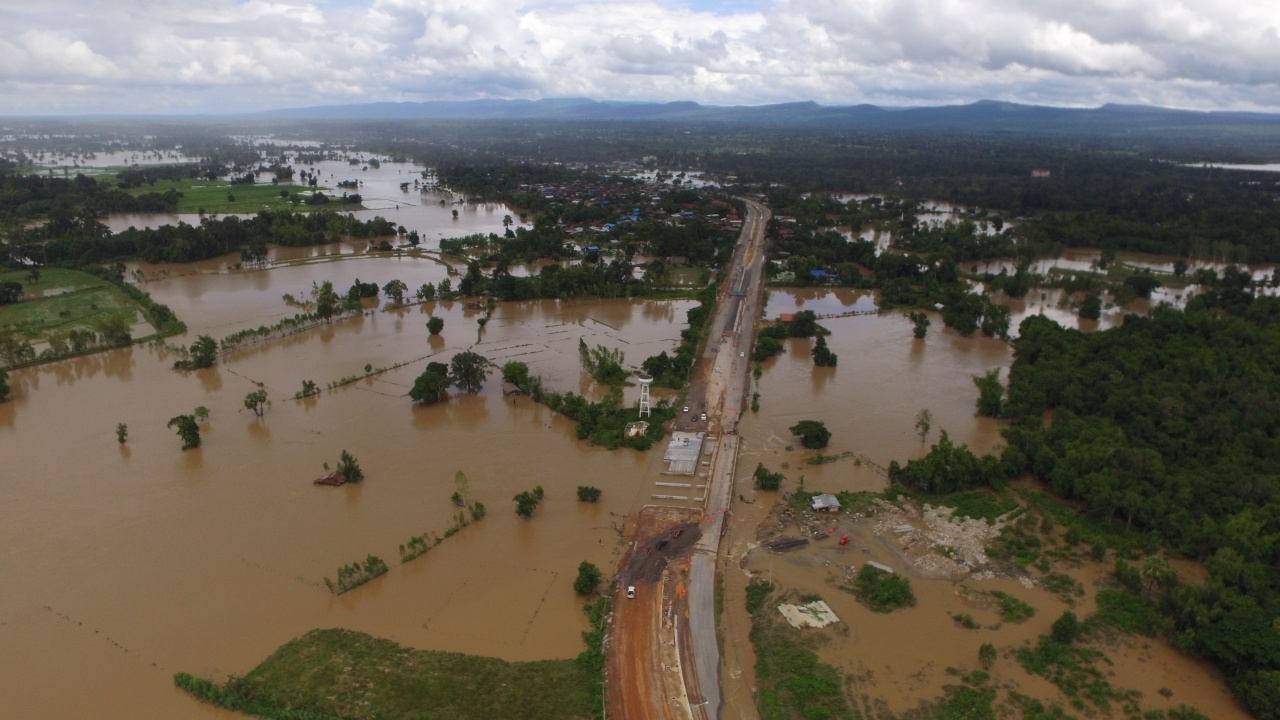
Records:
x=869, y=402
x=128, y=563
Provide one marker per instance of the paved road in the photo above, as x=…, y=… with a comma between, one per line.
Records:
x=736, y=312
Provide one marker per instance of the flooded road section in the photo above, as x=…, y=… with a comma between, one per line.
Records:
x=898, y=661
x=127, y=563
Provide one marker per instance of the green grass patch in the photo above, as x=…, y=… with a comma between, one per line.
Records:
x=959, y=702
x=881, y=591
x=1064, y=586
x=757, y=592
x=211, y=195
x=1018, y=542
x=1076, y=672
x=81, y=309
x=1126, y=612
x=979, y=504
x=72, y=302
x=792, y=682
x=348, y=674
x=1032, y=709
x=60, y=279
x=1012, y=609
x=988, y=505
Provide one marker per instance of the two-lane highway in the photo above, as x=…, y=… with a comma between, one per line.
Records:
x=735, y=317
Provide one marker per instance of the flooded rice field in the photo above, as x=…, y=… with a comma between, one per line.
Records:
x=870, y=401
x=427, y=210
x=127, y=563
x=130, y=562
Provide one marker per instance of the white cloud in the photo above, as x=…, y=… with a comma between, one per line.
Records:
x=224, y=55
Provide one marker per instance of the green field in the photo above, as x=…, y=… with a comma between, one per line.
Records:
x=73, y=301
x=211, y=196
x=347, y=674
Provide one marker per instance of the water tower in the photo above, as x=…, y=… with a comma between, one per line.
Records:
x=645, y=382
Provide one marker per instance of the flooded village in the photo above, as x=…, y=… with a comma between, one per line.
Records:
x=130, y=559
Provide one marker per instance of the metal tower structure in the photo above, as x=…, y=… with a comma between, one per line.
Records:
x=645, y=382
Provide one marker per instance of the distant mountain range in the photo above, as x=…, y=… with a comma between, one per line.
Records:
x=984, y=115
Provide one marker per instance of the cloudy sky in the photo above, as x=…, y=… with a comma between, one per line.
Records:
x=189, y=56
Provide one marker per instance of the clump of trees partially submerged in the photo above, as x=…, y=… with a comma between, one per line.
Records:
x=527, y=501
x=881, y=591
x=356, y=574
x=467, y=371
x=418, y=545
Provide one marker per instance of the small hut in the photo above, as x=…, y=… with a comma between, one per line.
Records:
x=826, y=502
x=333, y=479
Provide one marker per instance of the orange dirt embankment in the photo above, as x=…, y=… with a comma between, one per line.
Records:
x=644, y=675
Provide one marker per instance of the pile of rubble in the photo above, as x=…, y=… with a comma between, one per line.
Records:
x=937, y=542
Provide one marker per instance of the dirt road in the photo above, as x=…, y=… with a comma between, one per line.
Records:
x=644, y=666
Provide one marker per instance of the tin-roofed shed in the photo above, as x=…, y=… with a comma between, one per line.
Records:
x=826, y=502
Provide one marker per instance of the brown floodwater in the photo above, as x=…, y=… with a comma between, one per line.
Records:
x=129, y=563
x=899, y=660
x=869, y=402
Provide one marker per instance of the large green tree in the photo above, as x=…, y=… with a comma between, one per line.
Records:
x=822, y=355
x=349, y=468
x=990, y=394
x=202, y=353
x=602, y=364
x=469, y=371
x=326, y=300
x=812, y=433
x=256, y=401
x=432, y=385
x=516, y=373
x=4, y=383
x=187, y=429
x=588, y=578
x=395, y=289
x=803, y=324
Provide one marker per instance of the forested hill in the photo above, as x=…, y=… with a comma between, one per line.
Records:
x=984, y=115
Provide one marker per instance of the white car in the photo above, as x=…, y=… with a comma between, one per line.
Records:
x=703, y=417
x=686, y=409
x=631, y=592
